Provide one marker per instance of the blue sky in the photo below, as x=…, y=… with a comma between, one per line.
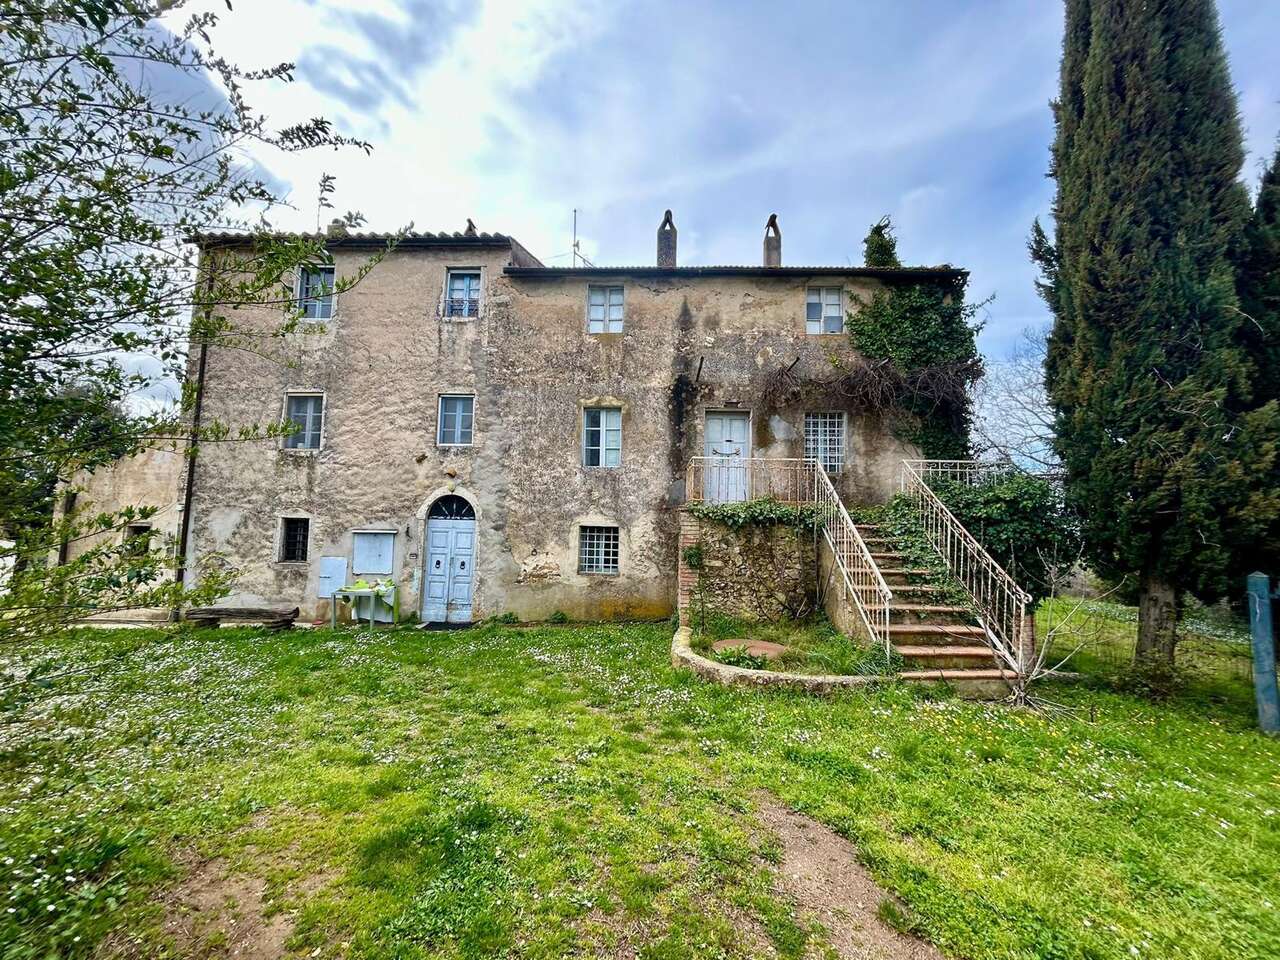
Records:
x=828, y=114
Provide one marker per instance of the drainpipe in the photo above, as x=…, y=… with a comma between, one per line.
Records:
x=184, y=537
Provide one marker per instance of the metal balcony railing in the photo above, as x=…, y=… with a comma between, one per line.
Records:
x=1004, y=609
x=461, y=307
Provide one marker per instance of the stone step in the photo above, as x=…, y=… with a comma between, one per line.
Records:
x=964, y=630
x=943, y=657
x=924, y=614
x=919, y=588
x=882, y=557
x=972, y=684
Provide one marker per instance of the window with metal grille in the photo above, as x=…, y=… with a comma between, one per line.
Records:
x=824, y=440
x=456, y=421
x=824, y=310
x=604, y=309
x=305, y=415
x=315, y=292
x=597, y=549
x=462, y=296
x=601, y=437
x=294, y=533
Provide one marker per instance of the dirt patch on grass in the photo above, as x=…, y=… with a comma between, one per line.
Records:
x=821, y=874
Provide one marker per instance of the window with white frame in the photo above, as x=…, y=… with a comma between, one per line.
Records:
x=304, y=413
x=315, y=292
x=294, y=534
x=604, y=309
x=824, y=440
x=601, y=437
x=462, y=294
x=457, y=413
x=598, y=550
x=824, y=310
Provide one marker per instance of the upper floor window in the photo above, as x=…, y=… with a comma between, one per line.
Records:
x=305, y=411
x=604, y=309
x=824, y=310
x=457, y=414
x=601, y=437
x=824, y=440
x=462, y=294
x=315, y=292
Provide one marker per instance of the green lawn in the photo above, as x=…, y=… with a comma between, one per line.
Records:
x=563, y=791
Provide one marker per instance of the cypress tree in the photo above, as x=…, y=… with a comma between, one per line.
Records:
x=1259, y=284
x=1147, y=371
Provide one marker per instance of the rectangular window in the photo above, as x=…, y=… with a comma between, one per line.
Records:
x=824, y=310
x=294, y=533
x=305, y=411
x=601, y=437
x=456, y=414
x=315, y=292
x=462, y=297
x=604, y=309
x=824, y=440
x=137, y=539
x=372, y=551
x=598, y=550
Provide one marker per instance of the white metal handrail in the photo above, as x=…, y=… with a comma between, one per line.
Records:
x=791, y=480
x=862, y=578
x=1001, y=604
x=727, y=479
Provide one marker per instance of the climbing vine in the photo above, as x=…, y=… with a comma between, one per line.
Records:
x=926, y=336
x=762, y=512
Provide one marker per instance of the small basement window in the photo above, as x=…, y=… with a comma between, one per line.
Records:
x=604, y=309
x=824, y=440
x=294, y=534
x=457, y=417
x=315, y=292
x=598, y=550
x=306, y=412
x=462, y=294
x=824, y=310
x=601, y=437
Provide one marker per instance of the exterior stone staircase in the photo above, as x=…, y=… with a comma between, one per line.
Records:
x=937, y=636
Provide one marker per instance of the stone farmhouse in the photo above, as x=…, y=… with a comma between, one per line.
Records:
x=498, y=435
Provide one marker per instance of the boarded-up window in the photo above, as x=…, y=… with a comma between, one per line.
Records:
x=371, y=552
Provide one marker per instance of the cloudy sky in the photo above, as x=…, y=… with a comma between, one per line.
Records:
x=828, y=114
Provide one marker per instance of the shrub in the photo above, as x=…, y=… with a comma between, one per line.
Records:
x=764, y=511
x=558, y=616
x=1022, y=521
x=738, y=657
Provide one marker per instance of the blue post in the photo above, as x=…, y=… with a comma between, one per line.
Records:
x=1264, y=653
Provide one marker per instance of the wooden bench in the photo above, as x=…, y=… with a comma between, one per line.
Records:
x=273, y=618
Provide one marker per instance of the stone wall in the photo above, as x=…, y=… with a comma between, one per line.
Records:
x=691, y=343
x=760, y=572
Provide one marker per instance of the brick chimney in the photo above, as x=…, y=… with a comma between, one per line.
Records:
x=772, y=242
x=667, y=242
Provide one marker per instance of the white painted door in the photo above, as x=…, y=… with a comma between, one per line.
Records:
x=449, y=575
x=727, y=447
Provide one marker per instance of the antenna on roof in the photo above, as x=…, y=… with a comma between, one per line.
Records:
x=576, y=254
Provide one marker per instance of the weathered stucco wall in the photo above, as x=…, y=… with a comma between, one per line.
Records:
x=691, y=344
x=758, y=572
x=151, y=478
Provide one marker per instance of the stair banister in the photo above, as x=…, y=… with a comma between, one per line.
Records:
x=1001, y=604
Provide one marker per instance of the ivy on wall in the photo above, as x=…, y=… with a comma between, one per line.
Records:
x=927, y=335
x=765, y=511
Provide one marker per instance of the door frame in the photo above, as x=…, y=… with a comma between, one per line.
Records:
x=420, y=568
x=750, y=442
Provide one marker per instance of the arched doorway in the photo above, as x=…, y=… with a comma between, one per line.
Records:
x=449, y=565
